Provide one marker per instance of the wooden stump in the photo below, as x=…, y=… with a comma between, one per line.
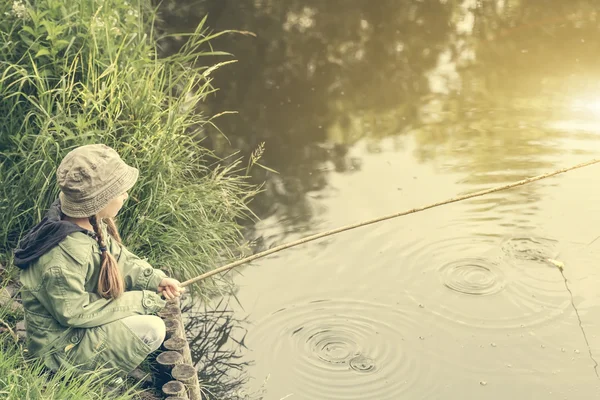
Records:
x=187, y=374
x=171, y=315
x=167, y=360
x=180, y=345
x=171, y=309
x=175, y=344
x=175, y=364
x=174, y=388
x=174, y=329
x=165, y=363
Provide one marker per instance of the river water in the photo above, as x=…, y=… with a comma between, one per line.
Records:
x=369, y=108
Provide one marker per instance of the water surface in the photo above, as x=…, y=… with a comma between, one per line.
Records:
x=368, y=108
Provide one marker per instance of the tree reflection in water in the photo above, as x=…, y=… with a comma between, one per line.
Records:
x=476, y=86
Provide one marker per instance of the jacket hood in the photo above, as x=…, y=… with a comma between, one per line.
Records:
x=44, y=236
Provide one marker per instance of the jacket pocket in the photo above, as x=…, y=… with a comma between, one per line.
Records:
x=81, y=348
x=39, y=322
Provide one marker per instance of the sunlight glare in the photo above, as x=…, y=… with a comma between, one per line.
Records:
x=590, y=104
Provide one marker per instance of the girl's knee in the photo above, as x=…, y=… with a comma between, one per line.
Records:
x=156, y=333
x=149, y=328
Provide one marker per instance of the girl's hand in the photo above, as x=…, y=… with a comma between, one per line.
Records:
x=170, y=288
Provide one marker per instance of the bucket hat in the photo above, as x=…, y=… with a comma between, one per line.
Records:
x=91, y=176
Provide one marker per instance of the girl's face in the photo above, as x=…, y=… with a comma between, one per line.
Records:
x=112, y=208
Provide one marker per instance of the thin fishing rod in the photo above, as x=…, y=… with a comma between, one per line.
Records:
x=373, y=221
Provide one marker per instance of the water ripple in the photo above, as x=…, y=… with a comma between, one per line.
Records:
x=474, y=276
x=515, y=285
x=529, y=248
x=348, y=349
x=362, y=364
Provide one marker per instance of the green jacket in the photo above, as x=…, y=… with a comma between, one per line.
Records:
x=69, y=324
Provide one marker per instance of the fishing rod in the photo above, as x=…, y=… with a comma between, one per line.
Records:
x=383, y=218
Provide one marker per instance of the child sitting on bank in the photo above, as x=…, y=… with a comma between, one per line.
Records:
x=88, y=300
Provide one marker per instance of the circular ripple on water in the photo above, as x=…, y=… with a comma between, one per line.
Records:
x=346, y=349
x=473, y=276
x=516, y=287
x=362, y=364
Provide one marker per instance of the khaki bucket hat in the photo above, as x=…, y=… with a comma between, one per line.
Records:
x=91, y=176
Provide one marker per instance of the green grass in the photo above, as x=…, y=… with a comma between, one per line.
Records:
x=87, y=71
x=24, y=379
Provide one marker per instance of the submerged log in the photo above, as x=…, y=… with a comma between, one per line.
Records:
x=187, y=374
x=174, y=388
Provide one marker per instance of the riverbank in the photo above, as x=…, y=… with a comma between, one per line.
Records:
x=88, y=71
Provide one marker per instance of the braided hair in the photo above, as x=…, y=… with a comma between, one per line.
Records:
x=110, y=281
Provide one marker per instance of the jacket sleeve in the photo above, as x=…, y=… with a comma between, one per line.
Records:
x=138, y=273
x=71, y=305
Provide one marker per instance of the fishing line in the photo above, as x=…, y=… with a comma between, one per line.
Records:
x=383, y=218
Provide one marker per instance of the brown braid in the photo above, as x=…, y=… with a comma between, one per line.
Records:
x=110, y=281
x=112, y=229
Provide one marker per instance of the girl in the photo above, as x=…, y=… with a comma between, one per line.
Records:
x=88, y=300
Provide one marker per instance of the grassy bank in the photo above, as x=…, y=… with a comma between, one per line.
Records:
x=87, y=71
x=25, y=379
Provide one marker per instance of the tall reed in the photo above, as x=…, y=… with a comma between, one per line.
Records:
x=87, y=71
